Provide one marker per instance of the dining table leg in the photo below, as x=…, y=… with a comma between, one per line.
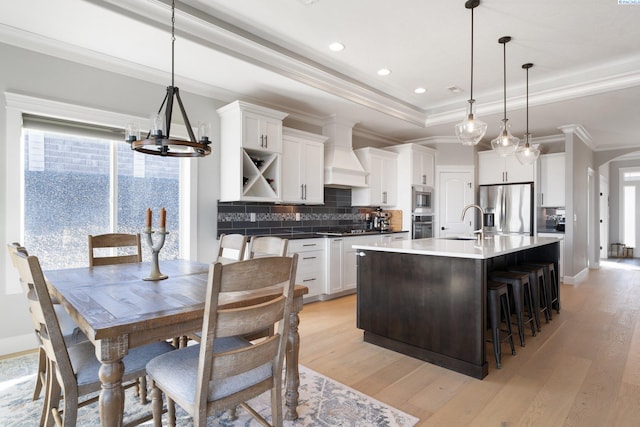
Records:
x=292, y=376
x=111, y=401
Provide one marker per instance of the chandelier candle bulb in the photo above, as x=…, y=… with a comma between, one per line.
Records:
x=163, y=218
x=147, y=222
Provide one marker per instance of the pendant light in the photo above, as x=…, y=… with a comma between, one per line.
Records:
x=471, y=130
x=159, y=141
x=528, y=153
x=505, y=144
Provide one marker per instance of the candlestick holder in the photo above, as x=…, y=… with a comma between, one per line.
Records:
x=155, y=273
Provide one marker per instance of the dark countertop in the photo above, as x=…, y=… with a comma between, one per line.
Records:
x=337, y=233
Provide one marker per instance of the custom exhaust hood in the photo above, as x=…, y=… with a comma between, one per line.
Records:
x=342, y=169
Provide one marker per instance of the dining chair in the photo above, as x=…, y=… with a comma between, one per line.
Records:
x=267, y=246
x=72, y=371
x=68, y=327
x=124, y=242
x=231, y=247
x=224, y=370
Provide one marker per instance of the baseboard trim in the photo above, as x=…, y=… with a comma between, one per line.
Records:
x=18, y=344
x=572, y=280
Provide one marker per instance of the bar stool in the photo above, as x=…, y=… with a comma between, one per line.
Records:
x=498, y=305
x=520, y=292
x=538, y=290
x=553, y=283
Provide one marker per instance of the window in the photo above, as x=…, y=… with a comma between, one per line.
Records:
x=84, y=182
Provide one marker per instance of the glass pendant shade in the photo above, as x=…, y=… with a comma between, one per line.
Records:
x=527, y=153
x=505, y=144
x=471, y=130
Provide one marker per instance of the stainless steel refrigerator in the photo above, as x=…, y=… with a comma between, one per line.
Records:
x=511, y=206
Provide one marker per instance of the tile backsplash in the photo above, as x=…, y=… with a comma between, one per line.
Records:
x=270, y=218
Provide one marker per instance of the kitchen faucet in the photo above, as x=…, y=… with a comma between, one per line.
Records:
x=479, y=232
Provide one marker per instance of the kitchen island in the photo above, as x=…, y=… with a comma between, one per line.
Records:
x=427, y=297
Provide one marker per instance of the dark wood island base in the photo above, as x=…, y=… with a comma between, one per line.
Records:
x=433, y=306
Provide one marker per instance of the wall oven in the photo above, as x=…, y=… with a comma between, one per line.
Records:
x=422, y=226
x=422, y=200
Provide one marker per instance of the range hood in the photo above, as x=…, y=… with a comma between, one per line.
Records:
x=342, y=169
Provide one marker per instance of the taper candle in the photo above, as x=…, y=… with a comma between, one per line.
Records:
x=163, y=218
x=147, y=222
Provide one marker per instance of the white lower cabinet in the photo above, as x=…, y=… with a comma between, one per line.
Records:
x=341, y=266
x=311, y=264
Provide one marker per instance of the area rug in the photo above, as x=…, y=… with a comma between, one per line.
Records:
x=323, y=402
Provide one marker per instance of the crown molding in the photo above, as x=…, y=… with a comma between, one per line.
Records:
x=580, y=132
x=224, y=37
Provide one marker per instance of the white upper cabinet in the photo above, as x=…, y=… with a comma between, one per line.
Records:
x=251, y=126
x=416, y=164
x=552, y=180
x=494, y=169
x=262, y=133
x=382, y=178
x=423, y=165
x=302, y=167
x=250, y=147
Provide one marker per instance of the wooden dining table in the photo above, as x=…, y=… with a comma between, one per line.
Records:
x=117, y=310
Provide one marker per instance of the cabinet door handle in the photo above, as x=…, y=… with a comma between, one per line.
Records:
x=309, y=257
x=384, y=197
x=310, y=244
x=304, y=186
x=309, y=280
x=424, y=179
x=361, y=254
x=542, y=198
x=302, y=191
x=266, y=141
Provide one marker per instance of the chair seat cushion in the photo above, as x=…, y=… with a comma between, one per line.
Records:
x=86, y=365
x=176, y=372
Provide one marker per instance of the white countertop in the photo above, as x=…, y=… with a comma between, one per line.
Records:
x=490, y=247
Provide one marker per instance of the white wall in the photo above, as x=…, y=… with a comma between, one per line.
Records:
x=29, y=73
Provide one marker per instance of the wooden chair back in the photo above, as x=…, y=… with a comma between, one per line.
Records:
x=267, y=246
x=255, y=275
x=47, y=327
x=129, y=243
x=231, y=247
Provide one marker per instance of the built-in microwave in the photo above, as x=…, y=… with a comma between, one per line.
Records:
x=422, y=200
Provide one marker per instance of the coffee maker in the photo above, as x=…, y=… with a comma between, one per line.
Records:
x=381, y=220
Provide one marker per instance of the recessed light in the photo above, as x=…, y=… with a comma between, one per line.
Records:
x=454, y=89
x=419, y=90
x=384, y=72
x=336, y=46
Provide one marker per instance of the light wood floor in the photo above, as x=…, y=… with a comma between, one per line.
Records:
x=583, y=369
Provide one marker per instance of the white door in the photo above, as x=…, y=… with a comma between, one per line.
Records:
x=604, y=217
x=456, y=190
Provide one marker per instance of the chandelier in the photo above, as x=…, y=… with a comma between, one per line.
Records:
x=159, y=141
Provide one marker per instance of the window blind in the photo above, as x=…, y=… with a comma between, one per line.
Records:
x=69, y=127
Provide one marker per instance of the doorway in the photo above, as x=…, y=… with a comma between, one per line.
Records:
x=455, y=191
x=630, y=206
x=604, y=217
